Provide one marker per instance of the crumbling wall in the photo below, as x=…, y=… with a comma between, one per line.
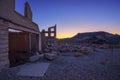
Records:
x=27, y=11
x=6, y=8
x=49, y=39
x=7, y=11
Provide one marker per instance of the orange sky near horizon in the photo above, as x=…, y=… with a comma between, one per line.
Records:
x=71, y=33
x=69, y=36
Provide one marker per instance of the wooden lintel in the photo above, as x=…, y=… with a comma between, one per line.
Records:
x=17, y=27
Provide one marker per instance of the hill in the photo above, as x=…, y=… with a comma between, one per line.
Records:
x=99, y=37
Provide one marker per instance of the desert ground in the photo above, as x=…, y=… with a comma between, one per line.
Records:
x=101, y=64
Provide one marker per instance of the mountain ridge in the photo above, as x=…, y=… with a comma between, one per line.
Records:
x=95, y=37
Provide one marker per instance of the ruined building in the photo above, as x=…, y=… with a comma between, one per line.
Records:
x=19, y=35
x=48, y=41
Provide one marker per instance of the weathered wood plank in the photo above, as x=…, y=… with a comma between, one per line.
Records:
x=12, y=26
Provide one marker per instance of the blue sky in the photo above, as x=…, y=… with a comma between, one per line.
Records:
x=73, y=16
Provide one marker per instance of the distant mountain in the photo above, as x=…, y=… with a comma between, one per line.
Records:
x=99, y=37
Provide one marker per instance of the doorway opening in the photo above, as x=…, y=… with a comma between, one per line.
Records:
x=18, y=47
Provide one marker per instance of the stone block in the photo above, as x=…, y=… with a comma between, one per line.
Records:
x=4, y=65
x=54, y=52
x=3, y=41
x=85, y=51
x=3, y=50
x=50, y=56
x=3, y=32
x=3, y=46
x=76, y=54
x=3, y=57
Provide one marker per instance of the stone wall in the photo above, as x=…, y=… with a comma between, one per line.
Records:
x=6, y=8
x=4, y=61
x=27, y=11
x=24, y=21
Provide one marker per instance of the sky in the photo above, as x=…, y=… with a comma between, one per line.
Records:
x=75, y=16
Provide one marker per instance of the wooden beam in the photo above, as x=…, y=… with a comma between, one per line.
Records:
x=17, y=27
x=12, y=26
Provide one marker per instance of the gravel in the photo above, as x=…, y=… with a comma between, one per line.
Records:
x=99, y=65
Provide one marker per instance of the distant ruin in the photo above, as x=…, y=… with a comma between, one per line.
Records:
x=49, y=39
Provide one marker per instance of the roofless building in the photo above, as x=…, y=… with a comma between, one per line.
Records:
x=19, y=35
